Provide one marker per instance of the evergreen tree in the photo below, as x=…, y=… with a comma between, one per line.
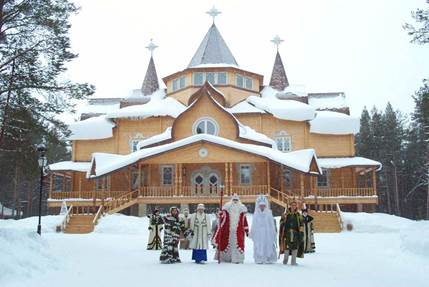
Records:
x=417, y=155
x=364, y=137
x=34, y=51
x=419, y=34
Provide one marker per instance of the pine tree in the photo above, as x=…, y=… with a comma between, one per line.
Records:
x=34, y=51
x=420, y=34
x=364, y=137
x=417, y=154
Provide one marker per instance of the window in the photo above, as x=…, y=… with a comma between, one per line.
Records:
x=167, y=175
x=245, y=174
x=57, y=183
x=137, y=178
x=134, y=145
x=178, y=83
x=102, y=183
x=283, y=141
x=287, y=176
x=322, y=179
x=221, y=78
x=249, y=83
x=210, y=77
x=239, y=81
x=198, y=79
x=205, y=126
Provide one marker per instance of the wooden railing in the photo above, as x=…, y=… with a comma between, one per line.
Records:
x=98, y=215
x=346, y=191
x=249, y=189
x=157, y=191
x=86, y=194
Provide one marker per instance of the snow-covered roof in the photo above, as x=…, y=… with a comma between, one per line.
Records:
x=283, y=109
x=300, y=160
x=291, y=91
x=159, y=105
x=247, y=132
x=70, y=166
x=166, y=135
x=327, y=101
x=244, y=107
x=212, y=50
x=339, y=162
x=91, y=129
x=99, y=108
x=334, y=123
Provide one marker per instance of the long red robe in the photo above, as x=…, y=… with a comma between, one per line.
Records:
x=222, y=235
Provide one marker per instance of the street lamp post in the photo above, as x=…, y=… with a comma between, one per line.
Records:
x=41, y=148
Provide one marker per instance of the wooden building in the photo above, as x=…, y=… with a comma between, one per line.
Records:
x=215, y=129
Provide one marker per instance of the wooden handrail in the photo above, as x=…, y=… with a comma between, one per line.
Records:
x=340, y=219
x=66, y=218
x=97, y=215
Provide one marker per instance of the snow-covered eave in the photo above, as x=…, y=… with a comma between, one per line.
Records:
x=342, y=162
x=64, y=166
x=297, y=160
x=94, y=128
x=156, y=139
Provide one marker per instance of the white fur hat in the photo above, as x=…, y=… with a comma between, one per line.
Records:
x=201, y=206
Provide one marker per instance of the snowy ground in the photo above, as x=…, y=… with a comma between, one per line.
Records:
x=382, y=250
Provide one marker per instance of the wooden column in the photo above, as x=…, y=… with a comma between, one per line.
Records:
x=51, y=184
x=80, y=186
x=374, y=181
x=268, y=177
x=231, y=179
x=225, y=180
x=301, y=183
x=282, y=179
x=180, y=179
x=176, y=179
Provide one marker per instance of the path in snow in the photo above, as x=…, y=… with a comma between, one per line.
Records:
x=116, y=255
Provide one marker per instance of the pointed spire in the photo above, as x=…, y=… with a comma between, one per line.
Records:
x=279, y=79
x=213, y=49
x=150, y=83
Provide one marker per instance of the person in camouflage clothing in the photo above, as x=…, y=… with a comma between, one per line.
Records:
x=173, y=225
x=291, y=234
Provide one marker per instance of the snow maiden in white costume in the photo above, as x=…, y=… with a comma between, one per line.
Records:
x=263, y=233
x=200, y=227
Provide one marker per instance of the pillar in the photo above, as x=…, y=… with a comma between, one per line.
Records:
x=231, y=180
x=268, y=177
x=301, y=183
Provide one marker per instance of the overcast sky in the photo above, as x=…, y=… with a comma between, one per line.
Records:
x=357, y=47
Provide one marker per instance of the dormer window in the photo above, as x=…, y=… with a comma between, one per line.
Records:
x=179, y=83
x=213, y=78
x=198, y=79
x=244, y=82
x=205, y=126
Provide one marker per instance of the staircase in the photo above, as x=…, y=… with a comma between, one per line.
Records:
x=80, y=224
x=81, y=219
x=324, y=221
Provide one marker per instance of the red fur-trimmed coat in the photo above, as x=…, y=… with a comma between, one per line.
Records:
x=222, y=234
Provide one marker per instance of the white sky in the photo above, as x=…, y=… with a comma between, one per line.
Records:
x=358, y=47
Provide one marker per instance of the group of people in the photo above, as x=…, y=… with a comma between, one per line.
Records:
x=228, y=231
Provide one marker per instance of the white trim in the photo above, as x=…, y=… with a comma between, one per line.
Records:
x=205, y=119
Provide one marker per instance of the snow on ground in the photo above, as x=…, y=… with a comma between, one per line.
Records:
x=377, y=253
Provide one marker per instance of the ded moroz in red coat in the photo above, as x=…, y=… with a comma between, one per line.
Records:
x=229, y=237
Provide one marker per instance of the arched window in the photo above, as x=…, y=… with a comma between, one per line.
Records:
x=205, y=126
x=283, y=141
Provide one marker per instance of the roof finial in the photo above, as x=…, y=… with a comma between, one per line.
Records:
x=277, y=40
x=213, y=12
x=151, y=47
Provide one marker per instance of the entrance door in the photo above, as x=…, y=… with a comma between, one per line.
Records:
x=205, y=182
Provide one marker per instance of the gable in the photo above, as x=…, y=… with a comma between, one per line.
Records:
x=204, y=106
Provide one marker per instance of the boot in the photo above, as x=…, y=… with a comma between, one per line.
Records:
x=286, y=257
x=294, y=254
